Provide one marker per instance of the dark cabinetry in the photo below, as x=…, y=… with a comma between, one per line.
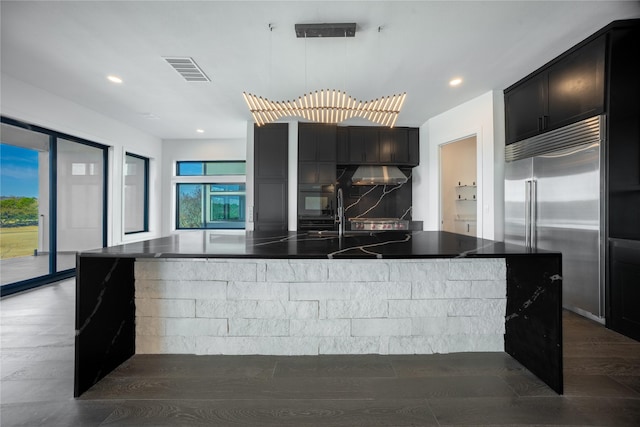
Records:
x=567, y=90
x=381, y=146
x=271, y=176
x=316, y=176
x=598, y=76
x=623, y=134
x=342, y=145
x=394, y=146
x=316, y=142
x=624, y=269
x=316, y=153
x=623, y=198
x=316, y=173
x=363, y=145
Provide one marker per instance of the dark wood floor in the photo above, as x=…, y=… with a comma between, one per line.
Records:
x=602, y=382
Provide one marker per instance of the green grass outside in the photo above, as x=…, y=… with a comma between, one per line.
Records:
x=18, y=241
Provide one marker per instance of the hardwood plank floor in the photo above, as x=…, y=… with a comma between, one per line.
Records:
x=602, y=382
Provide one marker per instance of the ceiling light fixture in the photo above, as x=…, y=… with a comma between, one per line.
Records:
x=326, y=106
x=330, y=105
x=114, y=79
x=455, y=82
x=200, y=130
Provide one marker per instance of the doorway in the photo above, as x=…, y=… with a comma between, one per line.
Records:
x=459, y=186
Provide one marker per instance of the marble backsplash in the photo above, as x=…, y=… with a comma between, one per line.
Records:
x=375, y=201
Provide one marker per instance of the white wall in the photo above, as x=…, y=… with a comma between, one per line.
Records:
x=483, y=117
x=174, y=150
x=35, y=106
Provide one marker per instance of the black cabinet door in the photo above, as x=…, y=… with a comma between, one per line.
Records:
x=316, y=142
x=306, y=143
x=567, y=91
x=624, y=285
x=525, y=109
x=576, y=85
x=326, y=173
x=316, y=173
x=271, y=151
x=363, y=145
x=316, y=153
x=342, y=145
x=414, y=146
x=307, y=173
x=394, y=146
x=325, y=143
x=271, y=206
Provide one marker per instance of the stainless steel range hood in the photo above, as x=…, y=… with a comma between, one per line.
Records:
x=378, y=175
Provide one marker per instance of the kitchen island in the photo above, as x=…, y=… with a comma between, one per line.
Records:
x=317, y=293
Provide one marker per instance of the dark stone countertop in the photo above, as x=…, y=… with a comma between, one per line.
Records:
x=302, y=245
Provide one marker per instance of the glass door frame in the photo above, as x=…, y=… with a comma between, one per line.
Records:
x=54, y=275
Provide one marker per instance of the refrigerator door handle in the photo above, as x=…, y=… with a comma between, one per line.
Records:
x=527, y=213
x=534, y=213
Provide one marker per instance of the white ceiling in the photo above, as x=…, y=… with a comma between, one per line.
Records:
x=68, y=48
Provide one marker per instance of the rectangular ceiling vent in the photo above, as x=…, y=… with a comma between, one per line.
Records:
x=188, y=69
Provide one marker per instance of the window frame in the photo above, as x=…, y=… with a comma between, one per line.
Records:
x=146, y=194
x=205, y=181
x=205, y=165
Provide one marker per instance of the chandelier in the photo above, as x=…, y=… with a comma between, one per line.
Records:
x=326, y=106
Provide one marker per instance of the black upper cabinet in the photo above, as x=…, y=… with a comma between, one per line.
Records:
x=414, y=146
x=381, y=146
x=363, y=145
x=525, y=108
x=566, y=91
x=316, y=153
x=342, y=145
x=394, y=146
x=576, y=85
x=321, y=147
x=316, y=142
x=271, y=151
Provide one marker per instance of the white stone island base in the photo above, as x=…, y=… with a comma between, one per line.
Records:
x=309, y=307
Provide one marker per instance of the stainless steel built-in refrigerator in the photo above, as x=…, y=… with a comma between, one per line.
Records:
x=553, y=201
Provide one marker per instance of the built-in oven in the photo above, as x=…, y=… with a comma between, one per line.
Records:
x=316, y=207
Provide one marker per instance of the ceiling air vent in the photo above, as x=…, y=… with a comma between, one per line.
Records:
x=188, y=69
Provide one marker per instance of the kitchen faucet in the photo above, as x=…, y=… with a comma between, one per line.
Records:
x=340, y=213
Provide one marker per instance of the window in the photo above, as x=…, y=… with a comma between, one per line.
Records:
x=211, y=168
x=136, y=194
x=217, y=206
x=216, y=200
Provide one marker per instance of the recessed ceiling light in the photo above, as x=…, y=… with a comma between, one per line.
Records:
x=455, y=82
x=114, y=79
x=200, y=130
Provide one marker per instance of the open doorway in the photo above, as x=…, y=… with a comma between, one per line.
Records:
x=458, y=186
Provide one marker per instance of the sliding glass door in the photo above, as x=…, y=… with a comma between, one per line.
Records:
x=53, y=203
x=24, y=204
x=80, y=200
